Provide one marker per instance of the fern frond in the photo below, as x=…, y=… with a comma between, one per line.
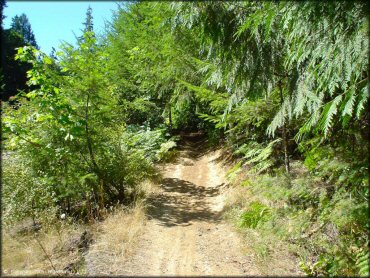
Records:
x=280, y=117
x=330, y=109
x=364, y=95
x=300, y=100
x=348, y=103
x=258, y=155
x=307, y=126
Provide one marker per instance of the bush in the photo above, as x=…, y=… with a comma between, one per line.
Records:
x=40, y=178
x=23, y=194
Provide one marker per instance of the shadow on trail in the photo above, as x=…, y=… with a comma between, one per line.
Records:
x=193, y=145
x=183, y=186
x=178, y=209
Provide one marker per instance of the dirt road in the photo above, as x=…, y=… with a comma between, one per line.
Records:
x=185, y=234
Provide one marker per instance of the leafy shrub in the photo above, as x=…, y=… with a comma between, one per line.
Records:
x=55, y=177
x=23, y=194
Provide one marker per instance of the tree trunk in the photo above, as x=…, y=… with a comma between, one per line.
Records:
x=102, y=193
x=88, y=138
x=91, y=153
x=170, y=117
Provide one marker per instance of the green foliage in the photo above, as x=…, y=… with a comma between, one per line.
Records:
x=255, y=214
x=274, y=82
x=234, y=171
x=71, y=128
x=306, y=215
x=335, y=84
x=22, y=26
x=14, y=73
x=166, y=151
x=24, y=195
x=257, y=155
x=340, y=165
x=362, y=262
x=152, y=69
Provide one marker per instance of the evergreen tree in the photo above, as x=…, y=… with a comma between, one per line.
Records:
x=2, y=5
x=15, y=72
x=21, y=25
x=89, y=25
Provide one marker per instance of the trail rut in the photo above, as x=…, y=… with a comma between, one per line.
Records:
x=185, y=234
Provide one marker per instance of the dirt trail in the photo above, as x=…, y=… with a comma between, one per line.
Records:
x=185, y=234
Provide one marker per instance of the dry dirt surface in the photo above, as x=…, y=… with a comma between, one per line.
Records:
x=185, y=234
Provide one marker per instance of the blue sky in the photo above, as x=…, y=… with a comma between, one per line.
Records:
x=55, y=21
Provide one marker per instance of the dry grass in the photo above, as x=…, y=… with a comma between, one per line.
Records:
x=236, y=197
x=118, y=235
x=116, y=238
x=119, y=230
x=23, y=255
x=146, y=189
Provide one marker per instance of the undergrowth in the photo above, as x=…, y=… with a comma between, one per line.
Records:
x=53, y=250
x=301, y=216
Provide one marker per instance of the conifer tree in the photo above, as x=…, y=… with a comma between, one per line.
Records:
x=15, y=72
x=21, y=25
x=89, y=25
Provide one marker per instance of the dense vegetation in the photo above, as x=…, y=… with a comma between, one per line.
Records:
x=282, y=84
x=13, y=73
